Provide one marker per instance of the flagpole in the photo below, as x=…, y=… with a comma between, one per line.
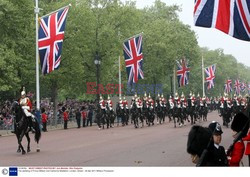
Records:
x=174, y=80
x=203, y=82
x=37, y=62
x=120, y=80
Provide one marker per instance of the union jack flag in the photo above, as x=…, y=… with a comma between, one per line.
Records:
x=228, y=86
x=237, y=86
x=182, y=72
x=229, y=16
x=51, y=35
x=132, y=49
x=210, y=76
x=243, y=86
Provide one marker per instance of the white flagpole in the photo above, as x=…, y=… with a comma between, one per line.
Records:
x=174, y=81
x=120, y=80
x=37, y=62
x=203, y=81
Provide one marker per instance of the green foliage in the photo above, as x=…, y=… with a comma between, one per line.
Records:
x=97, y=28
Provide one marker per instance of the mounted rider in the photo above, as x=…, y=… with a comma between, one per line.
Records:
x=109, y=104
x=102, y=105
x=150, y=102
x=125, y=103
x=26, y=105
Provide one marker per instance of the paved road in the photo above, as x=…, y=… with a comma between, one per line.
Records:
x=159, y=145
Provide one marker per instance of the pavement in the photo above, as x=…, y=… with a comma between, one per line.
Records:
x=154, y=146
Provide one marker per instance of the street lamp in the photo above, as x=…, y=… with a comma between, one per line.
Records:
x=97, y=63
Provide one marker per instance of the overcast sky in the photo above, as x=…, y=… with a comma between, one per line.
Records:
x=208, y=37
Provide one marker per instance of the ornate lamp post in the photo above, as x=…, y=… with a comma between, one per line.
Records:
x=97, y=63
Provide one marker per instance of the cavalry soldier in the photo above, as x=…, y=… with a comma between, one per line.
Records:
x=171, y=102
x=121, y=103
x=177, y=100
x=164, y=102
x=125, y=103
x=110, y=104
x=193, y=99
x=132, y=102
x=26, y=105
x=151, y=102
x=183, y=100
x=102, y=103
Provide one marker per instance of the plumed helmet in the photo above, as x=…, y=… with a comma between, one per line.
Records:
x=23, y=93
x=101, y=98
x=124, y=98
x=149, y=96
x=133, y=98
x=190, y=94
x=145, y=94
x=215, y=128
x=198, y=140
x=176, y=94
x=108, y=97
x=158, y=95
x=198, y=95
x=170, y=97
x=240, y=123
x=182, y=95
x=162, y=95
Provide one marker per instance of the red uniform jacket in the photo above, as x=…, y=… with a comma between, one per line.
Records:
x=44, y=118
x=65, y=116
x=84, y=114
x=237, y=154
x=247, y=138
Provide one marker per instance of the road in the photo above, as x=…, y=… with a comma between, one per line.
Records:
x=158, y=146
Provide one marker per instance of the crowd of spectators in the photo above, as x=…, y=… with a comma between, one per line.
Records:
x=71, y=106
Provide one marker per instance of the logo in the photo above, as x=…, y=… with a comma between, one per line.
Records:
x=5, y=171
x=13, y=171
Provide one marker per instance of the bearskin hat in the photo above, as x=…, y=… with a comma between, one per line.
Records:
x=63, y=109
x=43, y=110
x=198, y=140
x=240, y=123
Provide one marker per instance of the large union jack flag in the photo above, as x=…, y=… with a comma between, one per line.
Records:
x=229, y=16
x=228, y=86
x=182, y=72
x=210, y=76
x=237, y=86
x=132, y=49
x=51, y=35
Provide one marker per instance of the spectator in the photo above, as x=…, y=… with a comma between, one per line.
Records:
x=90, y=116
x=65, y=118
x=78, y=118
x=84, y=116
x=44, y=120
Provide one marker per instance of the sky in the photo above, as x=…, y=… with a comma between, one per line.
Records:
x=208, y=37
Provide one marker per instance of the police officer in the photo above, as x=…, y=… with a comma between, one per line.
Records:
x=217, y=152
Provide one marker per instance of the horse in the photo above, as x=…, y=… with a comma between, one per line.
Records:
x=21, y=125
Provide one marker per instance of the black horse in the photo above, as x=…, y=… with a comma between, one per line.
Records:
x=22, y=127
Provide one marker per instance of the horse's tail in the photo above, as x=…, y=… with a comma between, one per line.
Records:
x=38, y=131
